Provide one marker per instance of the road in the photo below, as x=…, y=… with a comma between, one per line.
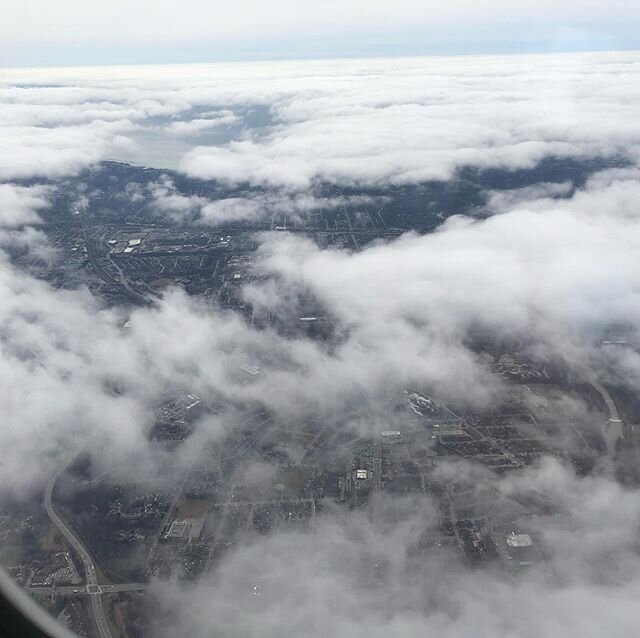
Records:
x=92, y=586
x=613, y=429
x=94, y=258
x=78, y=590
x=125, y=283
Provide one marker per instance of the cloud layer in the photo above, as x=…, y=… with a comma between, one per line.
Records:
x=367, y=121
x=360, y=577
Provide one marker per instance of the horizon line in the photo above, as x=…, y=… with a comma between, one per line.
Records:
x=330, y=58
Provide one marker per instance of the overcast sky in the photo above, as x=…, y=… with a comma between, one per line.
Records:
x=74, y=32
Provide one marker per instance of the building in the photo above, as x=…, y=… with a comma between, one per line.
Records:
x=178, y=530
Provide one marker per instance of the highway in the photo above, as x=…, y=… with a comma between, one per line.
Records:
x=613, y=429
x=92, y=586
x=94, y=258
x=78, y=590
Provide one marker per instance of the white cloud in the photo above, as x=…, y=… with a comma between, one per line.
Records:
x=56, y=152
x=409, y=121
x=191, y=127
x=185, y=208
x=254, y=207
x=501, y=271
x=365, y=576
x=19, y=204
x=373, y=121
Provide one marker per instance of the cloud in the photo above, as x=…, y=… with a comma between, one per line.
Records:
x=607, y=193
x=57, y=152
x=192, y=127
x=365, y=576
x=429, y=118
x=366, y=121
x=254, y=206
x=185, y=208
x=19, y=204
x=370, y=122
x=529, y=270
x=32, y=242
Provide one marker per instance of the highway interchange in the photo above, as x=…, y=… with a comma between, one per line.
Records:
x=92, y=587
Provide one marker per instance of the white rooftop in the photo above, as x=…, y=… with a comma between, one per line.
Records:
x=252, y=370
x=519, y=540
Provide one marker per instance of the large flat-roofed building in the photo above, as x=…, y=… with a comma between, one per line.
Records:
x=178, y=530
x=521, y=550
x=519, y=540
x=195, y=527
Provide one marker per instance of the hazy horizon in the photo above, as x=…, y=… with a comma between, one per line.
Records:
x=72, y=32
x=221, y=62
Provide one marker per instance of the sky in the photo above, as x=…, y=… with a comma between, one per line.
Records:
x=72, y=32
x=557, y=271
